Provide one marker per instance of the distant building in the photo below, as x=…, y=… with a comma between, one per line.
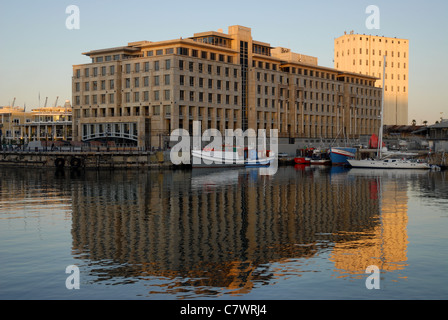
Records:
x=10, y=120
x=48, y=123
x=437, y=135
x=137, y=94
x=364, y=54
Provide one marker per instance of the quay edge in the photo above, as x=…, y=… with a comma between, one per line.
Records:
x=96, y=160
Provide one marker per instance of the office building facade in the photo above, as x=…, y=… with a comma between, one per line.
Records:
x=364, y=54
x=138, y=94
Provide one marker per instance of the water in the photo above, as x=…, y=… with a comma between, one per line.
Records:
x=305, y=233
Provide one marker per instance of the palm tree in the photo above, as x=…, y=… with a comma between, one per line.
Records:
x=425, y=122
x=414, y=122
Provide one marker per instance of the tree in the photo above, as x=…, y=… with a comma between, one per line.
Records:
x=414, y=122
x=425, y=122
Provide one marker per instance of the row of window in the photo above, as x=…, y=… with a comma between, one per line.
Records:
x=392, y=65
x=379, y=52
x=219, y=70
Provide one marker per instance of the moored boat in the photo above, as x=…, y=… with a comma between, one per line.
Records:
x=320, y=158
x=302, y=160
x=385, y=162
x=340, y=155
x=389, y=164
x=216, y=159
x=230, y=159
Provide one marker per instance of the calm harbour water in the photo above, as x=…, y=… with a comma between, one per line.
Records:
x=305, y=233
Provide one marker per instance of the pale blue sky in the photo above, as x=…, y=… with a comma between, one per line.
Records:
x=37, y=51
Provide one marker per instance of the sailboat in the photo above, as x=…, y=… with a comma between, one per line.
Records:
x=385, y=162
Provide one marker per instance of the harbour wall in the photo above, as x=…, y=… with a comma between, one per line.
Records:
x=138, y=159
x=103, y=160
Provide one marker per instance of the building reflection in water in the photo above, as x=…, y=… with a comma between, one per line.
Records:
x=223, y=230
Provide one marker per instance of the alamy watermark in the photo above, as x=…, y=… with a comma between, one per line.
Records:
x=73, y=20
x=72, y=281
x=373, y=20
x=373, y=280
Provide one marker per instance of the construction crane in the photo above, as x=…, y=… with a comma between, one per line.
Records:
x=13, y=102
x=56, y=102
x=46, y=99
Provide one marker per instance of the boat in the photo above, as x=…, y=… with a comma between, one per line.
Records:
x=386, y=162
x=304, y=156
x=217, y=159
x=320, y=158
x=340, y=155
x=230, y=159
x=254, y=159
x=302, y=160
x=389, y=164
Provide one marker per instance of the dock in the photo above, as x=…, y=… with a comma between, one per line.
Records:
x=86, y=159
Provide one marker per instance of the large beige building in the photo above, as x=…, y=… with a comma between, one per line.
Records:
x=364, y=54
x=137, y=94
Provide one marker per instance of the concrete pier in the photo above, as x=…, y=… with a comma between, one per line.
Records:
x=103, y=160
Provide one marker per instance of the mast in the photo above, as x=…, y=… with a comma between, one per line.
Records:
x=380, y=138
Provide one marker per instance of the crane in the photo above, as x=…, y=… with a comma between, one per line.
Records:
x=56, y=102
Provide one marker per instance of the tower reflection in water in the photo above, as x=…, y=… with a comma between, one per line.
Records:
x=205, y=232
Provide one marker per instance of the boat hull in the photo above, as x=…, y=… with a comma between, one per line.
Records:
x=302, y=160
x=388, y=164
x=212, y=159
x=206, y=159
x=339, y=156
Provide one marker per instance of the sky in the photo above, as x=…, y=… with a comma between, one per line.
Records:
x=37, y=50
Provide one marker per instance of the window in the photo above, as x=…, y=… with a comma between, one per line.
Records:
x=168, y=64
x=156, y=66
x=167, y=94
x=167, y=79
